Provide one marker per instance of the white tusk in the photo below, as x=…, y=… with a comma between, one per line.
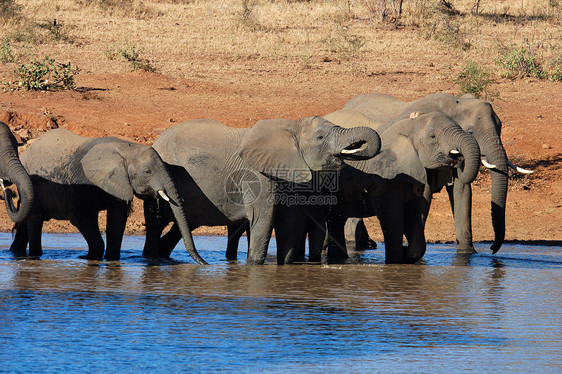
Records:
x=454, y=152
x=350, y=151
x=2, y=184
x=163, y=195
x=488, y=165
x=519, y=169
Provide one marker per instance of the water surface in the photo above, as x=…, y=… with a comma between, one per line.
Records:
x=450, y=313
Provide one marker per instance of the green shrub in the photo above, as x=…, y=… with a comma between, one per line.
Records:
x=44, y=75
x=132, y=54
x=475, y=80
x=520, y=62
x=6, y=54
x=556, y=74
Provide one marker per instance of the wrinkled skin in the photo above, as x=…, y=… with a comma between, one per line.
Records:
x=396, y=181
x=76, y=177
x=13, y=172
x=476, y=117
x=234, y=177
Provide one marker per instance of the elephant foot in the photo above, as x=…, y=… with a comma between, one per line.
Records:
x=91, y=257
x=35, y=253
x=465, y=249
x=115, y=257
x=361, y=246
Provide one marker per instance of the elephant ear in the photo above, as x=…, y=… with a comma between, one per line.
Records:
x=103, y=166
x=271, y=147
x=400, y=161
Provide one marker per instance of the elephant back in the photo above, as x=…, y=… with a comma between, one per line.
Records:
x=50, y=154
x=196, y=141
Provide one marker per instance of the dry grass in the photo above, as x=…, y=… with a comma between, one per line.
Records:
x=288, y=36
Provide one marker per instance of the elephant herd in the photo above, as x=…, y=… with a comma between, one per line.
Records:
x=315, y=177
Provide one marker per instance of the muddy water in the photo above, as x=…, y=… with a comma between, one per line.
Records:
x=482, y=313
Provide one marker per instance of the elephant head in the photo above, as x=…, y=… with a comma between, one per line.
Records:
x=277, y=148
x=478, y=118
x=124, y=169
x=427, y=141
x=12, y=171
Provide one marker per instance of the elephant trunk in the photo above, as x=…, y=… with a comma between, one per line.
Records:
x=358, y=143
x=494, y=154
x=467, y=146
x=12, y=170
x=176, y=205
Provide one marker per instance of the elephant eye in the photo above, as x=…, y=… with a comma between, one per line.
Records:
x=320, y=137
x=147, y=171
x=432, y=136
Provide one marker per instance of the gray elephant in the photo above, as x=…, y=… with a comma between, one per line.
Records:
x=13, y=172
x=77, y=177
x=477, y=118
x=395, y=181
x=231, y=176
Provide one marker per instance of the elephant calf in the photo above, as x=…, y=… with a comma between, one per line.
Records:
x=77, y=177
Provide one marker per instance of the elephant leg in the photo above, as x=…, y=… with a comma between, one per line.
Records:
x=155, y=224
x=34, y=232
x=290, y=231
x=392, y=224
x=19, y=245
x=337, y=250
x=414, y=231
x=115, y=227
x=260, y=233
x=87, y=224
x=235, y=231
x=169, y=241
x=460, y=197
x=357, y=234
x=316, y=239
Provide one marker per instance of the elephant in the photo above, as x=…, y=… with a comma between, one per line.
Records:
x=395, y=182
x=76, y=177
x=476, y=117
x=233, y=177
x=13, y=172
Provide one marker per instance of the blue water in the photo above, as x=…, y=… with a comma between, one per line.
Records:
x=451, y=313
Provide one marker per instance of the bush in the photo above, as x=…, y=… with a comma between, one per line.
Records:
x=132, y=54
x=520, y=62
x=44, y=75
x=556, y=75
x=472, y=79
x=6, y=54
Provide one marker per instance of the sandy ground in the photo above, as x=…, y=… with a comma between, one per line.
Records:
x=139, y=105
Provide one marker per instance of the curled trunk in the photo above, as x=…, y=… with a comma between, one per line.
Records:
x=359, y=143
x=468, y=170
x=12, y=171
